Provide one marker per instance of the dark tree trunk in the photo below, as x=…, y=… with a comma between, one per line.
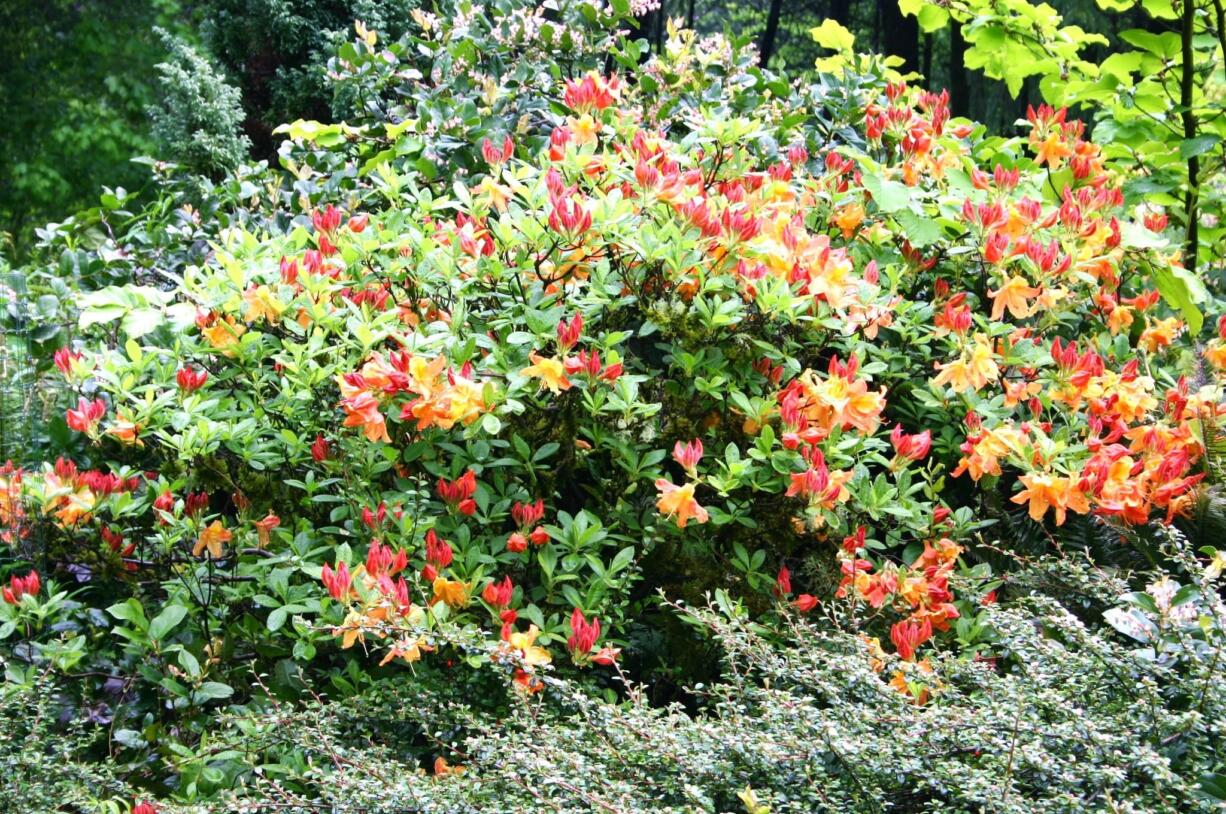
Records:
x=926, y=70
x=767, y=47
x=840, y=11
x=959, y=94
x=901, y=34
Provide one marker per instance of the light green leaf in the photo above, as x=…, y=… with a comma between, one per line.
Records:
x=830, y=34
x=890, y=196
x=1182, y=290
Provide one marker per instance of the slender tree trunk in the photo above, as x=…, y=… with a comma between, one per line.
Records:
x=901, y=34
x=840, y=11
x=1186, y=88
x=689, y=16
x=959, y=94
x=767, y=47
x=927, y=58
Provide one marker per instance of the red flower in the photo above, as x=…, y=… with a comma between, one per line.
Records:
x=499, y=594
x=854, y=542
x=805, y=603
x=494, y=155
x=20, y=586
x=87, y=415
x=528, y=514
x=438, y=551
x=319, y=449
x=337, y=582
x=908, y=635
x=165, y=503
x=783, y=582
x=517, y=543
x=191, y=380
x=144, y=808
x=64, y=359
x=688, y=455
x=584, y=634
x=357, y=224
x=459, y=490
x=196, y=503
x=327, y=220
x=569, y=332
x=911, y=447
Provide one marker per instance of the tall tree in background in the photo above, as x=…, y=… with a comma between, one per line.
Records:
x=901, y=34
x=772, y=30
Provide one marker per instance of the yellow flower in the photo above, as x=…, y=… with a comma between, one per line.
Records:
x=969, y=374
x=261, y=304
x=585, y=129
x=211, y=538
x=550, y=371
x=532, y=654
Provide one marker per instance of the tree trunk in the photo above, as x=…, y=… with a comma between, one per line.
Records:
x=901, y=33
x=1186, y=88
x=959, y=95
x=840, y=12
x=767, y=48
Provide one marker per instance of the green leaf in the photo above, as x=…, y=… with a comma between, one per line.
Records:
x=932, y=18
x=830, y=34
x=1160, y=9
x=1190, y=147
x=276, y=619
x=921, y=230
x=166, y=621
x=890, y=196
x=1182, y=290
x=210, y=690
x=129, y=611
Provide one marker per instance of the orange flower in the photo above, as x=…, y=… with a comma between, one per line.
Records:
x=451, y=592
x=1159, y=334
x=264, y=527
x=261, y=303
x=223, y=334
x=1045, y=492
x=679, y=501
x=125, y=431
x=211, y=538
x=1052, y=150
x=1014, y=295
x=550, y=371
x=969, y=373
x=363, y=411
x=848, y=219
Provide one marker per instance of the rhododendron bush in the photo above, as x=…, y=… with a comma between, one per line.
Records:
x=842, y=364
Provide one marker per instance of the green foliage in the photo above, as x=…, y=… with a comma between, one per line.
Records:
x=198, y=115
x=74, y=86
x=535, y=258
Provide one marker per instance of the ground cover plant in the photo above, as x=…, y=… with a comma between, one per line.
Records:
x=582, y=427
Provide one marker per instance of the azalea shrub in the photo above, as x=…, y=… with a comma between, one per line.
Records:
x=816, y=350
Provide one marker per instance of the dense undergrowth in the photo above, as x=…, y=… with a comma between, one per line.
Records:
x=576, y=428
